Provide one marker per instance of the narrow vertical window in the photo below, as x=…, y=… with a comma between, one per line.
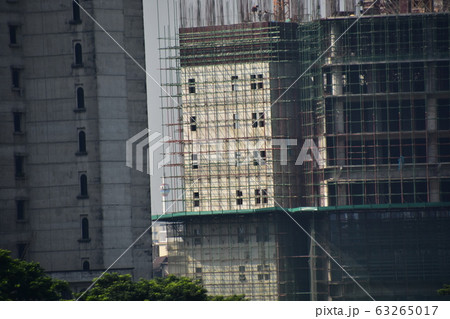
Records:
x=15, y=73
x=21, y=250
x=80, y=98
x=78, y=54
x=196, y=196
x=76, y=12
x=239, y=199
x=235, y=121
x=257, y=196
x=81, y=143
x=86, y=265
x=19, y=165
x=84, y=228
x=264, y=196
x=191, y=84
x=83, y=186
x=13, y=34
x=17, y=122
x=253, y=83
x=193, y=122
x=261, y=119
x=254, y=119
x=194, y=161
x=260, y=81
x=234, y=80
x=20, y=209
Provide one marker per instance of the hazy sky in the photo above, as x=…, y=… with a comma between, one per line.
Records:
x=153, y=89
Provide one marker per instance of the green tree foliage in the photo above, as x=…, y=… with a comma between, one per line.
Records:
x=115, y=287
x=22, y=280
x=444, y=291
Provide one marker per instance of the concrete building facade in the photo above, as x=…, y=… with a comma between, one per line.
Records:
x=70, y=100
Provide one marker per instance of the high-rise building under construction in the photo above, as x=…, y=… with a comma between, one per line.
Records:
x=310, y=148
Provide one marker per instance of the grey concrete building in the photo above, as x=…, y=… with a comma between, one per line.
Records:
x=70, y=98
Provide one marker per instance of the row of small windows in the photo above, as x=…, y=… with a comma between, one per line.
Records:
x=257, y=82
x=260, y=197
x=16, y=71
x=262, y=269
x=78, y=62
x=259, y=158
x=258, y=120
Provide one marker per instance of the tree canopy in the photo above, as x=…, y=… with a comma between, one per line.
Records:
x=22, y=280
x=445, y=291
x=115, y=287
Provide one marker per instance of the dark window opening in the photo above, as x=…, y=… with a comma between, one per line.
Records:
x=85, y=228
x=443, y=114
x=241, y=234
x=256, y=84
x=15, y=78
x=193, y=121
x=17, y=122
x=21, y=250
x=239, y=200
x=261, y=119
x=78, y=54
x=76, y=12
x=81, y=142
x=254, y=120
x=20, y=209
x=262, y=233
x=261, y=196
x=198, y=270
x=196, y=196
x=444, y=149
x=445, y=190
x=13, y=34
x=191, y=84
x=80, y=98
x=197, y=241
x=234, y=79
x=264, y=196
x=86, y=265
x=19, y=165
x=83, y=186
x=194, y=161
x=260, y=84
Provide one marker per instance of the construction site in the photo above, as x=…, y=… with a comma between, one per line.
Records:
x=310, y=148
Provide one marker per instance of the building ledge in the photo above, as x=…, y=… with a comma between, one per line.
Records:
x=75, y=22
x=82, y=196
x=301, y=209
x=81, y=153
x=77, y=66
x=86, y=240
x=79, y=110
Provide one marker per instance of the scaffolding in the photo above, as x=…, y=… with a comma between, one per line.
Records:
x=232, y=116
x=377, y=103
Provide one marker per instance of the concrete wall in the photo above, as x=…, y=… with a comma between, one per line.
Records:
x=117, y=205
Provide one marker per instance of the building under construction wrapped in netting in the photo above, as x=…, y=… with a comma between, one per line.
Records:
x=310, y=157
